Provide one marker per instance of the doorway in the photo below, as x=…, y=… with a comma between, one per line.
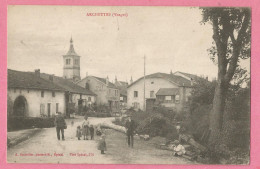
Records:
x=20, y=107
x=49, y=110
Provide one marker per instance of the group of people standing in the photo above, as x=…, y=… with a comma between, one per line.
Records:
x=86, y=129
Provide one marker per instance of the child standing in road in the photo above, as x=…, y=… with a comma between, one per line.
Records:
x=98, y=130
x=78, y=132
x=85, y=132
x=102, y=144
x=91, y=129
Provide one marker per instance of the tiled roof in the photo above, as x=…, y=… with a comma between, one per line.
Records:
x=103, y=80
x=123, y=92
x=168, y=91
x=121, y=83
x=122, y=86
x=68, y=85
x=192, y=76
x=180, y=81
x=28, y=80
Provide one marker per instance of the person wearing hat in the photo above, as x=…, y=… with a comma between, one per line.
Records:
x=60, y=124
x=130, y=129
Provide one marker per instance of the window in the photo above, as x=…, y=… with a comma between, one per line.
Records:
x=116, y=92
x=67, y=61
x=42, y=93
x=135, y=93
x=177, y=98
x=53, y=94
x=28, y=91
x=89, y=99
x=42, y=110
x=57, y=107
x=152, y=94
x=76, y=62
x=168, y=98
x=121, y=98
x=152, y=82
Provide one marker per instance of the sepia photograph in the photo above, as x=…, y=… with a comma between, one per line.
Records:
x=128, y=85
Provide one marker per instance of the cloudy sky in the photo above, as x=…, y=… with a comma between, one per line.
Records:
x=171, y=38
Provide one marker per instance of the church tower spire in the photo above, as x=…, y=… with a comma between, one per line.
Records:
x=71, y=61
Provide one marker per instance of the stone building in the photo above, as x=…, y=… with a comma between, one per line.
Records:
x=167, y=89
x=36, y=94
x=122, y=86
x=71, y=62
x=31, y=96
x=77, y=98
x=107, y=93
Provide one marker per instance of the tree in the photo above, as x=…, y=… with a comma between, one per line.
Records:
x=202, y=93
x=232, y=37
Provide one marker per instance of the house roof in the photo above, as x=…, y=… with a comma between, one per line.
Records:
x=121, y=83
x=168, y=91
x=103, y=80
x=123, y=92
x=122, y=86
x=68, y=85
x=28, y=80
x=192, y=76
x=180, y=81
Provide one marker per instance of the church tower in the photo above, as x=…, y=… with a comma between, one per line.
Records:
x=71, y=62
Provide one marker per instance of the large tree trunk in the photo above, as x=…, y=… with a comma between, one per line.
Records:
x=217, y=112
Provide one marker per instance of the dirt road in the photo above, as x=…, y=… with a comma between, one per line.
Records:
x=45, y=148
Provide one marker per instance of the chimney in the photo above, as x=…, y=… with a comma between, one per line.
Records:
x=131, y=80
x=37, y=72
x=107, y=81
x=51, y=77
x=207, y=78
x=191, y=81
x=115, y=79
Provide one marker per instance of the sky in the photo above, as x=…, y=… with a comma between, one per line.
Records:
x=171, y=38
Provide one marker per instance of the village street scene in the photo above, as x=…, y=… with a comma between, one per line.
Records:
x=128, y=85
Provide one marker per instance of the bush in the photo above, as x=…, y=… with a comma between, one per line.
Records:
x=16, y=123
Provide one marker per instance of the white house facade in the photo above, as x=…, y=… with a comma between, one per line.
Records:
x=153, y=83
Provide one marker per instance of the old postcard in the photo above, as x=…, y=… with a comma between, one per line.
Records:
x=128, y=84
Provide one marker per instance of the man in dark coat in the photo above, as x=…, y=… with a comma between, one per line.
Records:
x=130, y=129
x=60, y=124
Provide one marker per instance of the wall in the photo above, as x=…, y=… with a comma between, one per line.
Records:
x=100, y=89
x=34, y=100
x=97, y=87
x=139, y=86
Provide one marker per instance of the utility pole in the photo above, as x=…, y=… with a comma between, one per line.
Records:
x=144, y=85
